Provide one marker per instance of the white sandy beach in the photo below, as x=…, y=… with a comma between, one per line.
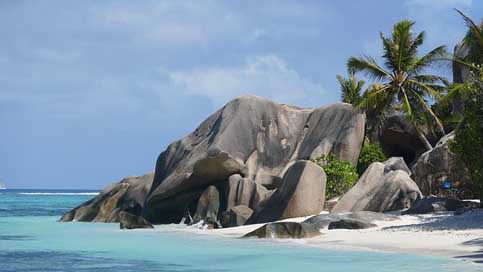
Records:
x=441, y=234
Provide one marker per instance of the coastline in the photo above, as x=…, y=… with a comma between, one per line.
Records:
x=440, y=235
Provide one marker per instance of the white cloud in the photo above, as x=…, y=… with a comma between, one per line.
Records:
x=267, y=76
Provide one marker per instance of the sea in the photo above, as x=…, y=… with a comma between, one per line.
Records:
x=32, y=239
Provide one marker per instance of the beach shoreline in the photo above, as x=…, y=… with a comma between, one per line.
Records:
x=440, y=235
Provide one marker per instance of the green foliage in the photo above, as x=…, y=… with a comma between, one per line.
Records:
x=402, y=84
x=341, y=175
x=370, y=153
x=350, y=89
x=468, y=144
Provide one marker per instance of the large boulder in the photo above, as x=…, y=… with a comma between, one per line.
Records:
x=380, y=189
x=398, y=138
x=243, y=191
x=322, y=221
x=439, y=204
x=250, y=136
x=129, y=194
x=302, y=193
x=284, y=230
x=131, y=221
x=350, y=224
x=208, y=207
x=438, y=165
x=236, y=216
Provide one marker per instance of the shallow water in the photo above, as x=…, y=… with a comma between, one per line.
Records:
x=32, y=240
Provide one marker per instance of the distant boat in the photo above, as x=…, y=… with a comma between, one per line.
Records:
x=2, y=186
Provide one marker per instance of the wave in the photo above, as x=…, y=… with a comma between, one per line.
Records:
x=59, y=193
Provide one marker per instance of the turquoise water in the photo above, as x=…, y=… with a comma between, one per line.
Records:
x=32, y=240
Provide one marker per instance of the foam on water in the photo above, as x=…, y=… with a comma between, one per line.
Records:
x=39, y=243
x=43, y=193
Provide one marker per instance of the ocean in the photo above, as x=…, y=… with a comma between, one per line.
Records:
x=31, y=239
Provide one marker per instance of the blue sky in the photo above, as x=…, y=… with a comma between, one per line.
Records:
x=93, y=91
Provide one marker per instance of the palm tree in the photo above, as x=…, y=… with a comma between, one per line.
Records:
x=401, y=84
x=471, y=62
x=351, y=89
x=473, y=40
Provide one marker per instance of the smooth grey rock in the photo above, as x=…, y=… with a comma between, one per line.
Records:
x=250, y=136
x=302, y=193
x=243, y=191
x=322, y=221
x=438, y=165
x=130, y=221
x=208, y=207
x=398, y=138
x=438, y=204
x=257, y=139
x=128, y=194
x=285, y=230
x=236, y=216
x=396, y=163
x=350, y=224
x=379, y=191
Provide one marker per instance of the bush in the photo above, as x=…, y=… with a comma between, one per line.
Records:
x=468, y=144
x=341, y=175
x=370, y=153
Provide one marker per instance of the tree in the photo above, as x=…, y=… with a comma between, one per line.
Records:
x=473, y=40
x=468, y=144
x=402, y=85
x=351, y=89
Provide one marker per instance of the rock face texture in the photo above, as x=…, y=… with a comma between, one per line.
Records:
x=208, y=206
x=255, y=138
x=127, y=195
x=438, y=165
x=302, y=193
x=252, y=137
x=243, y=191
x=130, y=221
x=398, y=138
x=439, y=204
x=350, y=224
x=236, y=216
x=284, y=230
x=379, y=191
x=323, y=221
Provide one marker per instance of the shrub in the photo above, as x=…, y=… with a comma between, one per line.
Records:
x=341, y=175
x=370, y=153
x=468, y=144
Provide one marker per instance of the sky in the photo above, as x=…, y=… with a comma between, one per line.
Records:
x=93, y=91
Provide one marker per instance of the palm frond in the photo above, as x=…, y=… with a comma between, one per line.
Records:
x=368, y=66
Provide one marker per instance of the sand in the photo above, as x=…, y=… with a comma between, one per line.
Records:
x=443, y=234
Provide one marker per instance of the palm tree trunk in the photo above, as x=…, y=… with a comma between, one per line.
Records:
x=423, y=138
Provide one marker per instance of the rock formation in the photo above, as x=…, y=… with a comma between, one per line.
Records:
x=438, y=165
x=236, y=216
x=380, y=189
x=128, y=195
x=250, y=136
x=243, y=191
x=322, y=221
x=208, y=207
x=301, y=193
x=398, y=138
x=284, y=230
x=350, y=224
x=130, y=221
